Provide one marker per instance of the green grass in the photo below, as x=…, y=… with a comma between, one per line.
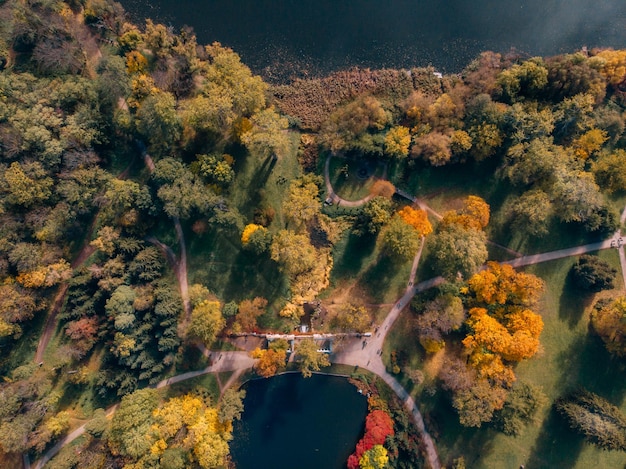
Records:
x=359, y=259
x=216, y=258
x=348, y=185
x=570, y=357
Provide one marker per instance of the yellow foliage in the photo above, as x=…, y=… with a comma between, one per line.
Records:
x=418, y=219
x=500, y=283
x=248, y=230
x=397, y=141
x=473, y=215
x=135, y=62
x=47, y=276
x=589, y=143
x=431, y=345
x=612, y=65
x=460, y=142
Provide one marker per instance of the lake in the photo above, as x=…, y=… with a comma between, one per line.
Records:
x=292, y=422
x=286, y=38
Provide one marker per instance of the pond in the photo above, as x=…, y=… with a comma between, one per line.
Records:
x=284, y=38
x=292, y=422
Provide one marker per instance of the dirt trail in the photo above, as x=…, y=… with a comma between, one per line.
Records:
x=85, y=252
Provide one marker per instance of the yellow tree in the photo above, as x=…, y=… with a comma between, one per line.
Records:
x=473, y=215
x=418, y=219
x=589, y=143
x=269, y=361
x=397, y=142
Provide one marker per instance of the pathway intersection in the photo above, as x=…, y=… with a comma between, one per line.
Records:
x=356, y=351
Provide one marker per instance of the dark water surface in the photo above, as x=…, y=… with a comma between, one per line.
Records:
x=299, y=37
x=290, y=422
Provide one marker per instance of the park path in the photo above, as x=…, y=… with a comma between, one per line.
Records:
x=86, y=250
x=354, y=352
x=335, y=198
x=622, y=257
x=226, y=361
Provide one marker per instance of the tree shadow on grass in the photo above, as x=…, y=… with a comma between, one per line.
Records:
x=572, y=302
x=556, y=446
x=378, y=277
x=453, y=439
x=586, y=364
x=251, y=275
x=357, y=249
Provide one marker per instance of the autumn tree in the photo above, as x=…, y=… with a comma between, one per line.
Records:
x=206, y=322
x=434, y=148
x=439, y=317
x=267, y=135
x=607, y=320
x=417, y=218
x=378, y=426
x=374, y=458
x=248, y=312
x=397, y=142
x=609, y=170
x=293, y=252
x=302, y=203
x=308, y=358
x=351, y=318
x=382, y=188
x=269, y=361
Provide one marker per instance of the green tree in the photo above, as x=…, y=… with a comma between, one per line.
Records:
x=308, y=358
x=158, y=122
x=593, y=274
x=181, y=192
x=206, y=322
x=610, y=171
x=231, y=405
x=377, y=213
x=457, y=250
x=520, y=408
x=600, y=422
x=531, y=212
x=131, y=423
x=400, y=239
x=268, y=136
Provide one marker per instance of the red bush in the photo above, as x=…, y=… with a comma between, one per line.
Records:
x=378, y=426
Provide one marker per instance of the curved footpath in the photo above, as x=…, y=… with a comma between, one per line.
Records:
x=365, y=354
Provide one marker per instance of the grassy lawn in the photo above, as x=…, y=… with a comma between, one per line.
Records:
x=359, y=261
x=216, y=258
x=570, y=357
x=347, y=184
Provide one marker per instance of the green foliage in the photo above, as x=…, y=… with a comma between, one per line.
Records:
x=231, y=405
x=158, y=122
x=520, y=408
x=267, y=136
x=531, y=212
x=131, y=423
x=180, y=191
x=456, y=249
x=593, y=274
x=400, y=239
x=206, y=322
x=308, y=358
x=377, y=213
